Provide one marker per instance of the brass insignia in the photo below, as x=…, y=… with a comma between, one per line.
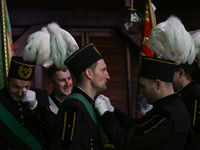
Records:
x=195, y=111
x=74, y=119
x=152, y=123
x=24, y=72
x=64, y=126
x=179, y=94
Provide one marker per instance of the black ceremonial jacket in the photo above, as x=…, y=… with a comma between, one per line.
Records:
x=164, y=127
x=54, y=103
x=190, y=95
x=74, y=127
x=38, y=123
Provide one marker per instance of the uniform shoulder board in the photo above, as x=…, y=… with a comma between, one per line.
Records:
x=153, y=121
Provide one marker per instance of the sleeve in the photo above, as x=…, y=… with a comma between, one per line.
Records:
x=151, y=130
x=44, y=119
x=68, y=127
x=126, y=121
x=42, y=113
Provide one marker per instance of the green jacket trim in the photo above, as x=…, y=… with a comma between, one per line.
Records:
x=18, y=129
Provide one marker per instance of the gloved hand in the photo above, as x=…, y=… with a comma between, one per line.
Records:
x=30, y=97
x=100, y=106
x=108, y=104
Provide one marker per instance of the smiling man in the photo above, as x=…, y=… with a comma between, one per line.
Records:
x=77, y=124
x=25, y=119
x=62, y=86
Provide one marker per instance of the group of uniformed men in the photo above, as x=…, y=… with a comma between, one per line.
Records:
x=27, y=122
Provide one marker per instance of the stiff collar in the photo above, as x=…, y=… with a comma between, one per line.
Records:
x=81, y=91
x=186, y=88
x=165, y=100
x=55, y=100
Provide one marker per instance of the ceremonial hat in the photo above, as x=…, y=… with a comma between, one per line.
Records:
x=155, y=68
x=20, y=69
x=82, y=59
x=189, y=68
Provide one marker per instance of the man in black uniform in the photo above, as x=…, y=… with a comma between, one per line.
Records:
x=164, y=127
x=62, y=83
x=77, y=124
x=25, y=122
x=189, y=92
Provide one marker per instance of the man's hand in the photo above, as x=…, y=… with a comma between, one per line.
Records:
x=108, y=104
x=30, y=97
x=100, y=106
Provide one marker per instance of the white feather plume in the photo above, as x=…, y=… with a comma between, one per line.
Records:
x=170, y=40
x=38, y=48
x=62, y=45
x=196, y=38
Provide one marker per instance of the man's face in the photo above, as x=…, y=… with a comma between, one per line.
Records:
x=15, y=87
x=148, y=89
x=100, y=76
x=62, y=83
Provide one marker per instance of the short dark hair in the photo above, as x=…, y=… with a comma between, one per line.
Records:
x=52, y=71
x=187, y=75
x=93, y=66
x=79, y=79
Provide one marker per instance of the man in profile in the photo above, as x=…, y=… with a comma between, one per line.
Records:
x=77, y=125
x=165, y=126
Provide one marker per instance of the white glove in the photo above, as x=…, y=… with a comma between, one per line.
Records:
x=108, y=104
x=100, y=106
x=30, y=97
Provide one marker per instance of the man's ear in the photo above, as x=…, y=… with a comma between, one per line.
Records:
x=181, y=72
x=158, y=84
x=88, y=73
x=51, y=82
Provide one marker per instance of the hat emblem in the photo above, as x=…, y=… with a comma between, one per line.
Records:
x=25, y=72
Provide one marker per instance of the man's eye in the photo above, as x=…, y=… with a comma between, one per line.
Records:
x=15, y=87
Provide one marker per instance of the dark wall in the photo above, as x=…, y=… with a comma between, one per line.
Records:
x=100, y=26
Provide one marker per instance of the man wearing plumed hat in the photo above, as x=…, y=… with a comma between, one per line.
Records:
x=189, y=92
x=62, y=85
x=24, y=117
x=165, y=126
x=171, y=41
x=77, y=124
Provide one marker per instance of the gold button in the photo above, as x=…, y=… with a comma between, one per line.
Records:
x=22, y=123
x=22, y=116
x=20, y=109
